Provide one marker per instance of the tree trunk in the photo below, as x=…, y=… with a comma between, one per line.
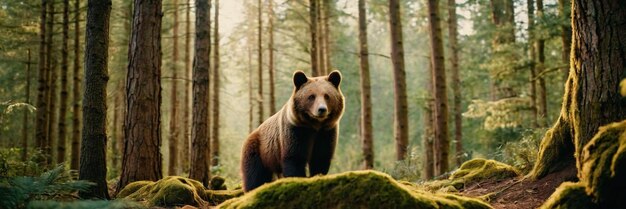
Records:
x=366, y=99
x=186, y=103
x=41, y=129
x=320, y=37
x=25, y=122
x=442, y=143
x=456, y=82
x=200, y=117
x=401, y=122
x=427, y=138
x=116, y=139
x=76, y=111
x=215, y=126
x=592, y=97
x=328, y=7
x=270, y=49
x=93, y=149
x=173, y=139
x=52, y=90
x=532, y=56
x=313, y=7
x=260, y=62
x=64, y=94
x=541, y=58
x=142, y=134
x=566, y=33
x=250, y=90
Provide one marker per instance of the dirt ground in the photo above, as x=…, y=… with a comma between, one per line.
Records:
x=519, y=193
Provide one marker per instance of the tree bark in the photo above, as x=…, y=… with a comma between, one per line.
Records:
x=94, y=139
x=186, y=103
x=142, y=135
x=41, y=130
x=270, y=49
x=215, y=126
x=260, y=62
x=592, y=97
x=25, y=122
x=401, y=122
x=173, y=139
x=442, y=143
x=541, y=58
x=200, y=117
x=366, y=99
x=52, y=90
x=320, y=37
x=328, y=7
x=76, y=111
x=64, y=95
x=313, y=7
x=456, y=82
x=427, y=138
x=532, y=53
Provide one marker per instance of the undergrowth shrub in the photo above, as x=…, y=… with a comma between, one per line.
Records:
x=522, y=154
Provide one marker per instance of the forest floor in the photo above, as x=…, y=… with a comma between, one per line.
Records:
x=519, y=193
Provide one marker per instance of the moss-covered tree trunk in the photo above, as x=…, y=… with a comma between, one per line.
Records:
x=592, y=96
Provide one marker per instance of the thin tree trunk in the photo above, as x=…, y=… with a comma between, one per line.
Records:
x=533, y=56
x=401, y=122
x=200, y=117
x=313, y=7
x=94, y=139
x=442, y=143
x=64, y=95
x=456, y=82
x=270, y=49
x=597, y=69
x=173, y=139
x=186, y=103
x=260, y=62
x=25, y=122
x=566, y=34
x=320, y=37
x=215, y=126
x=250, y=90
x=367, y=137
x=541, y=58
x=116, y=139
x=328, y=7
x=76, y=111
x=41, y=130
x=52, y=80
x=142, y=135
x=427, y=138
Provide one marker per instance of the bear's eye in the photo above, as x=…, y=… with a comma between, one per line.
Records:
x=326, y=96
x=311, y=97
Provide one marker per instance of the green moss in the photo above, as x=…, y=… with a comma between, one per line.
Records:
x=217, y=183
x=357, y=189
x=569, y=195
x=132, y=187
x=623, y=87
x=216, y=197
x=481, y=169
x=169, y=191
x=603, y=167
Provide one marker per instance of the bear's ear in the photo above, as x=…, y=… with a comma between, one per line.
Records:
x=334, y=78
x=299, y=78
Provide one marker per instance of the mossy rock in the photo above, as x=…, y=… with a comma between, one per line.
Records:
x=569, y=195
x=357, y=189
x=481, y=169
x=217, y=183
x=603, y=167
x=169, y=191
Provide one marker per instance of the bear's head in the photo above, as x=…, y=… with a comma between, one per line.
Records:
x=317, y=101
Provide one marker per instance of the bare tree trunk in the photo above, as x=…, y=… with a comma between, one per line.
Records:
x=116, y=139
x=456, y=82
x=200, y=117
x=187, y=131
x=64, y=94
x=597, y=69
x=427, y=138
x=94, y=139
x=566, y=34
x=52, y=80
x=142, y=135
x=319, y=39
x=215, y=140
x=270, y=49
x=76, y=111
x=401, y=122
x=533, y=57
x=260, y=61
x=367, y=137
x=173, y=139
x=250, y=90
x=326, y=36
x=543, y=103
x=41, y=129
x=313, y=7
x=442, y=143
x=25, y=122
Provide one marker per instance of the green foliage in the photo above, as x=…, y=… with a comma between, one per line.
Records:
x=356, y=189
x=54, y=184
x=522, y=154
x=12, y=166
x=409, y=169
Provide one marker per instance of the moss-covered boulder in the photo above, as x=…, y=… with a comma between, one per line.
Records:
x=357, y=189
x=569, y=195
x=217, y=183
x=481, y=169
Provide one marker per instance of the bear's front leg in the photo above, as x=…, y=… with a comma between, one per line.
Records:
x=295, y=151
x=323, y=151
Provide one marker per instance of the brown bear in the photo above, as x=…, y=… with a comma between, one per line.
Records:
x=304, y=132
